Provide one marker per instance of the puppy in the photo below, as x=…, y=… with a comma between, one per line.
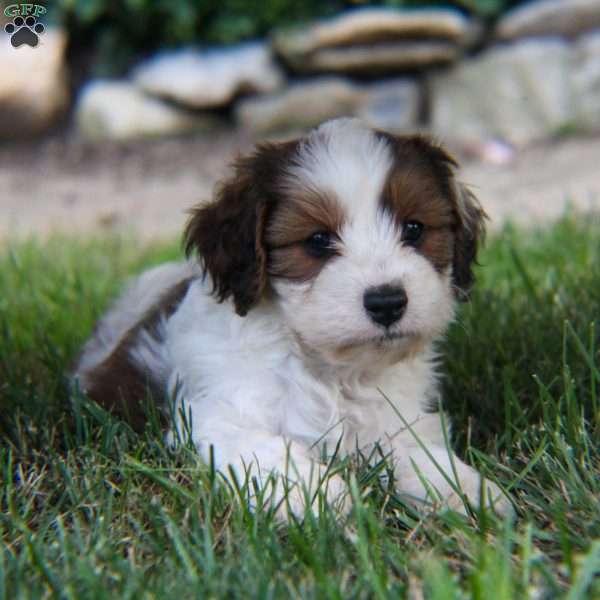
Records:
x=328, y=267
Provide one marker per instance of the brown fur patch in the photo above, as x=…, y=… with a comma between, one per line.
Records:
x=118, y=383
x=294, y=220
x=228, y=234
x=421, y=187
x=411, y=194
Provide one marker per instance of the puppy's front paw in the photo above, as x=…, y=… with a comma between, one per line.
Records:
x=440, y=485
x=473, y=487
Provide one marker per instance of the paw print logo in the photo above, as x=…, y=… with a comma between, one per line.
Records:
x=24, y=31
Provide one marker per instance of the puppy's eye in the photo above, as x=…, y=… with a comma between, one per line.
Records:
x=319, y=244
x=411, y=232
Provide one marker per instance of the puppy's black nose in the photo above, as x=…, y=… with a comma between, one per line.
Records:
x=385, y=304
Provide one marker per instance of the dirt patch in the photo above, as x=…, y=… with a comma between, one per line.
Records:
x=63, y=185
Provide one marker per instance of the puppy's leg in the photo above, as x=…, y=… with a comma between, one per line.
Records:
x=430, y=472
x=285, y=471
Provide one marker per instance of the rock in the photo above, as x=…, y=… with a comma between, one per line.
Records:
x=550, y=17
x=381, y=38
x=118, y=110
x=518, y=93
x=367, y=26
x=381, y=58
x=33, y=84
x=586, y=82
x=393, y=105
x=211, y=78
x=302, y=105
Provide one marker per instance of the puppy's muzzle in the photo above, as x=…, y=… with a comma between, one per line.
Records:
x=385, y=304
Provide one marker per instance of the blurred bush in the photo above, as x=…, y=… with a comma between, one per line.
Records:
x=115, y=32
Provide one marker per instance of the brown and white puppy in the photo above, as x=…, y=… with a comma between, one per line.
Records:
x=333, y=262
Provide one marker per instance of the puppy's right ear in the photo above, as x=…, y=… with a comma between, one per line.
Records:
x=228, y=233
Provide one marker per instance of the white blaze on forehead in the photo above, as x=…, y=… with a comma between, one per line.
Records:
x=347, y=159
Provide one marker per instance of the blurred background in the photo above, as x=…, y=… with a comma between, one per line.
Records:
x=120, y=115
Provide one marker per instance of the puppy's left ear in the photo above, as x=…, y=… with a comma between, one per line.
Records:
x=469, y=232
x=469, y=236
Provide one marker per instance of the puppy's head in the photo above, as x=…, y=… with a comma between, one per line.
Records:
x=363, y=239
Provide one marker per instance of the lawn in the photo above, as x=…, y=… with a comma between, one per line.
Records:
x=89, y=509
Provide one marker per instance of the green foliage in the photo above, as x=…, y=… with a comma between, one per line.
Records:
x=117, y=33
x=88, y=509
x=120, y=32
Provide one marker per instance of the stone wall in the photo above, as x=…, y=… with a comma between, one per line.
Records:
x=535, y=74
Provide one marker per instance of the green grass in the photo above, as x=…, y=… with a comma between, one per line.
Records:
x=88, y=509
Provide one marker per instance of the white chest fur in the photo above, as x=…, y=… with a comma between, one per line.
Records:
x=253, y=373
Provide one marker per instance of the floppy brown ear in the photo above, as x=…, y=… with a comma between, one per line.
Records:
x=469, y=236
x=469, y=231
x=228, y=233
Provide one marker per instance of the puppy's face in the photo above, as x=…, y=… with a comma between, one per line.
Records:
x=364, y=238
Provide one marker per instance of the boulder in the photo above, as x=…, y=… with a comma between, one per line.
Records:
x=586, y=82
x=550, y=17
x=33, y=84
x=519, y=93
x=392, y=105
x=301, y=105
x=379, y=38
x=380, y=58
x=210, y=78
x=118, y=110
